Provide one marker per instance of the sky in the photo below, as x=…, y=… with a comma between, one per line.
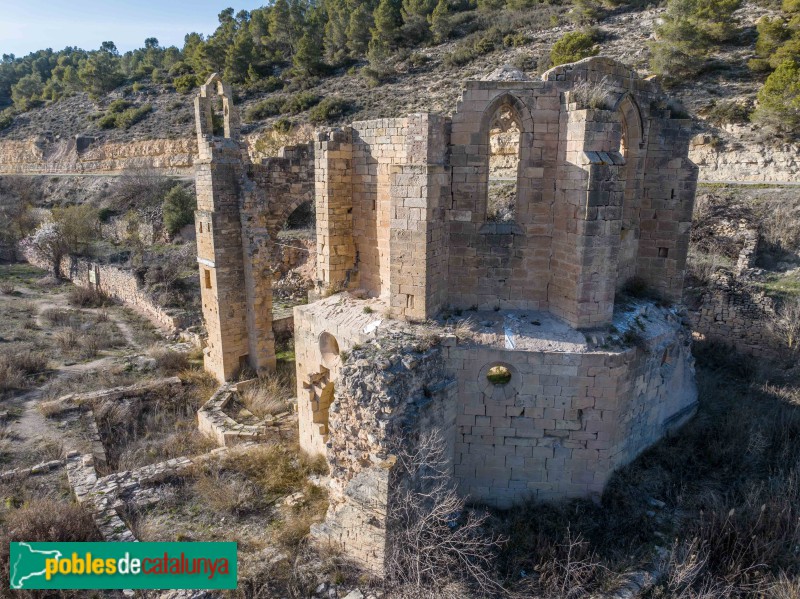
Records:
x=29, y=25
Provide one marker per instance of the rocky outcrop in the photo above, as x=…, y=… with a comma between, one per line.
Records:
x=83, y=154
x=753, y=162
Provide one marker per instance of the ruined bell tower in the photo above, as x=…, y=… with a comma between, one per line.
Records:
x=232, y=251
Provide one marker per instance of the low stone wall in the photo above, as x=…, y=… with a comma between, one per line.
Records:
x=730, y=311
x=215, y=423
x=118, y=284
x=40, y=468
x=103, y=496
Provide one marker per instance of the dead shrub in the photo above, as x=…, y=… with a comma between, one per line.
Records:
x=225, y=492
x=87, y=297
x=435, y=541
x=8, y=288
x=786, y=324
x=61, y=317
x=16, y=367
x=168, y=361
x=67, y=339
x=268, y=396
x=44, y=520
x=592, y=94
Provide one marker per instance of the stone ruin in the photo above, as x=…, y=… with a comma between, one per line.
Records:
x=469, y=270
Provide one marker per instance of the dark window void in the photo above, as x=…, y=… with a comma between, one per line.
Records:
x=207, y=278
x=504, y=142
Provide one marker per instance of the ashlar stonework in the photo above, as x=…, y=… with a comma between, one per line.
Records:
x=509, y=335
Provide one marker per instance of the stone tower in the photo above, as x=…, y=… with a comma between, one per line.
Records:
x=231, y=252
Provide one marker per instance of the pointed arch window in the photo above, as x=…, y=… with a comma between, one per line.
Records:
x=505, y=132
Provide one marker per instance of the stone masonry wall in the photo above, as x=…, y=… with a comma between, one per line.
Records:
x=378, y=147
x=387, y=396
x=118, y=284
x=730, y=312
x=565, y=421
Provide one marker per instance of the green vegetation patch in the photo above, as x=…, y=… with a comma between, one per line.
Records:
x=781, y=286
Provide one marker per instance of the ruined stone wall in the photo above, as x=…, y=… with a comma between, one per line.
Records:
x=378, y=146
x=386, y=398
x=118, y=284
x=578, y=168
x=502, y=264
x=420, y=195
x=322, y=331
x=565, y=420
x=728, y=311
x=287, y=182
x=336, y=251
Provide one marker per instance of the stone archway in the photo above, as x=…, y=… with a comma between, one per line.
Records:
x=632, y=148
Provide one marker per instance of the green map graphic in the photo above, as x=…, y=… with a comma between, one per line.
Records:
x=29, y=563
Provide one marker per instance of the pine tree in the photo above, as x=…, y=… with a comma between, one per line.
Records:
x=440, y=22
x=358, y=30
x=280, y=27
x=239, y=57
x=336, y=32
x=308, y=58
x=385, y=31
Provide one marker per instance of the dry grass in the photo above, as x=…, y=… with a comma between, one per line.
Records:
x=268, y=396
x=17, y=366
x=44, y=520
x=254, y=479
x=87, y=297
x=168, y=361
x=151, y=429
x=81, y=334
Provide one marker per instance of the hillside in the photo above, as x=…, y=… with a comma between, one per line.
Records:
x=426, y=79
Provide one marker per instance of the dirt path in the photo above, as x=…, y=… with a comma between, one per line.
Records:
x=30, y=428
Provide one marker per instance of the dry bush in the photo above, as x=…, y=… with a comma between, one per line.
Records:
x=199, y=384
x=140, y=187
x=278, y=469
x=463, y=329
x=168, y=361
x=593, y=94
x=254, y=479
x=296, y=520
x=61, y=317
x=67, y=339
x=786, y=324
x=151, y=429
x=17, y=366
x=87, y=297
x=784, y=587
x=780, y=225
x=44, y=520
x=8, y=288
x=225, y=492
x=268, y=396
x=434, y=541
